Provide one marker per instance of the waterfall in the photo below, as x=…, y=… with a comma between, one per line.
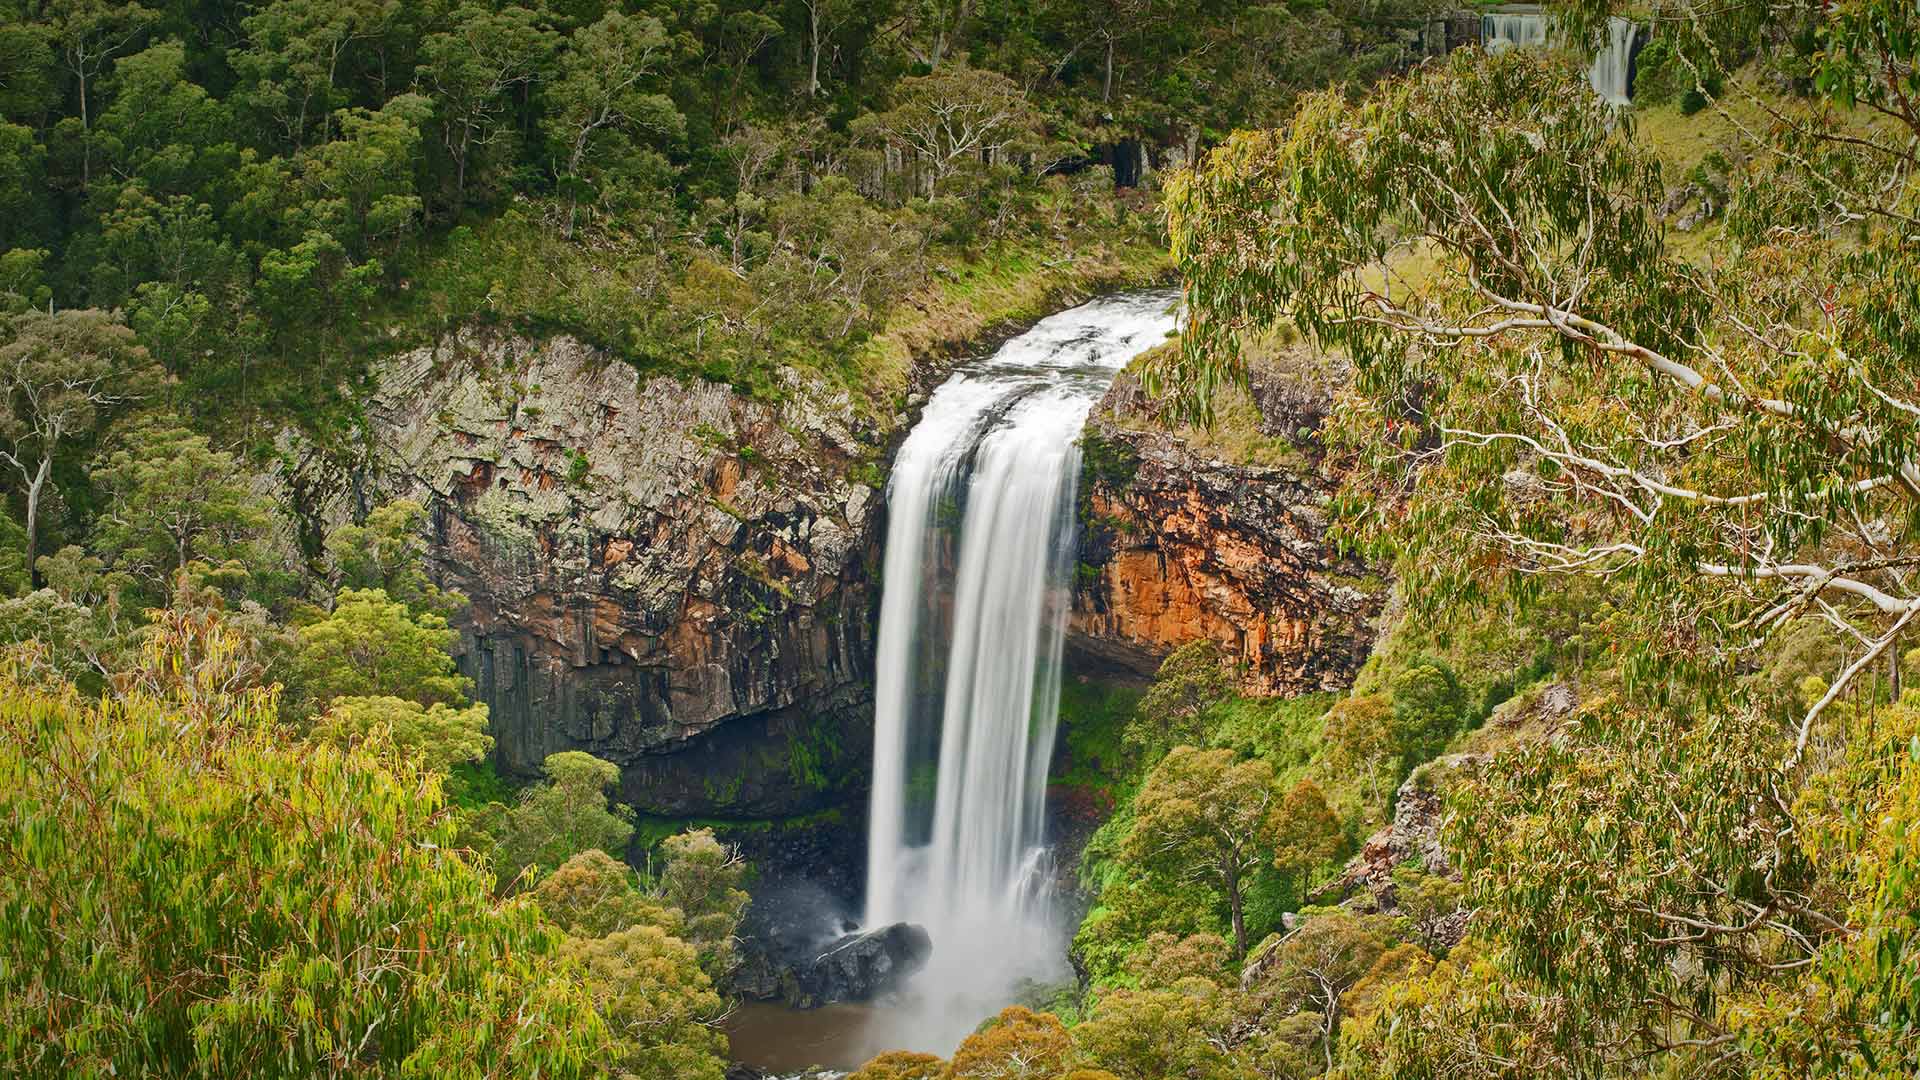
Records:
x=1613, y=66
x=1503, y=30
x=979, y=558
x=1612, y=71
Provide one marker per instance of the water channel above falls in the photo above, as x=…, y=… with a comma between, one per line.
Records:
x=976, y=589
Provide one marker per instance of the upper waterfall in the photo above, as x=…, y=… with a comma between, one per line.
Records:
x=1611, y=75
x=978, y=560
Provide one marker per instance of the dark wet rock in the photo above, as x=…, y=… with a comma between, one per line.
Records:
x=865, y=965
x=855, y=966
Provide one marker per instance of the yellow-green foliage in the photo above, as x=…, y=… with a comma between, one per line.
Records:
x=186, y=894
x=442, y=735
x=594, y=894
x=658, y=1004
x=371, y=645
x=1233, y=431
x=561, y=818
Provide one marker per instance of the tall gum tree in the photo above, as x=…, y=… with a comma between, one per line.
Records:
x=62, y=377
x=1566, y=395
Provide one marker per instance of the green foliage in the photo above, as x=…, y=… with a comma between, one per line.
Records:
x=373, y=646
x=1306, y=832
x=1148, y=1034
x=442, y=735
x=592, y=895
x=63, y=376
x=14, y=579
x=1193, y=678
x=1093, y=720
x=207, y=926
x=174, y=503
x=74, y=644
x=656, y=1002
x=563, y=817
x=388, y=552
x=701, y=879
x=1163, y=960
x=1663, y=877
x=1200, y=814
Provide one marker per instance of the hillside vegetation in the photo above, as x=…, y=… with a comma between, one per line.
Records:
x=1629, y=788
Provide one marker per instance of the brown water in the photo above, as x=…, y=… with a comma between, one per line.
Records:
x=782, y=1040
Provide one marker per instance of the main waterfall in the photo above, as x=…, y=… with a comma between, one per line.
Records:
x=979, y=556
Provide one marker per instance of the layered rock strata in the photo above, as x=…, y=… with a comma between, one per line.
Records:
x=662, y=573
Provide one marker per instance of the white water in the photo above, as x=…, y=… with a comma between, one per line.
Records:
x=978, y=557
x=1508, y=30
x=1612, y=65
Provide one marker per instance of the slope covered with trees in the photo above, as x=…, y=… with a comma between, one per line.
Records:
x=1644, y=479
x=1647, y=493
x=246, y=800
x=265, y=191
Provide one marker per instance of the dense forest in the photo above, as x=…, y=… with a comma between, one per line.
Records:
x=1623, y=414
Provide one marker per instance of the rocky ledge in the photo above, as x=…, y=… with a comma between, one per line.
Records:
x=1183, y=539
x=662, y=573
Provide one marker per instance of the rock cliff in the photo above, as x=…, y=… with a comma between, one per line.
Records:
x=1188, y=534
x=664, y=574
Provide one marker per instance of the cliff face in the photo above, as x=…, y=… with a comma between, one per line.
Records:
x=1182, y=540
x=666, y=575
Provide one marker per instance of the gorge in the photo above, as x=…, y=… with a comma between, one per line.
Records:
x=959, y=540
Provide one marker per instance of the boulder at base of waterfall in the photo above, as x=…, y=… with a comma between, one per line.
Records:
x=863, y=965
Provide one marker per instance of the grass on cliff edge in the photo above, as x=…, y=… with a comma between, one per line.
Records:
x=1235, y=435
x=1011, y=284
x=673, y=311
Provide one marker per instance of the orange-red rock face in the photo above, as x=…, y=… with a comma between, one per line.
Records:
x=1179, y=545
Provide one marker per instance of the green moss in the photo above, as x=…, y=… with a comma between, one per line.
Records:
x=1105, y=462
x=1284, y=731
x=814, y=755
x=650, y=829
x=1093, y=717
x=870, y=473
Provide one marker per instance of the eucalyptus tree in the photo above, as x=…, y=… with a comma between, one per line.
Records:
x=1572, y=396
x=1551, y=390
x=471, y=65
x=607, y=89
x=63, y=376
x=1202, y=815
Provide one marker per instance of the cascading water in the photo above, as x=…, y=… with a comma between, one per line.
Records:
x=978, y=559
x=1509, y=30
x=1612, y=71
